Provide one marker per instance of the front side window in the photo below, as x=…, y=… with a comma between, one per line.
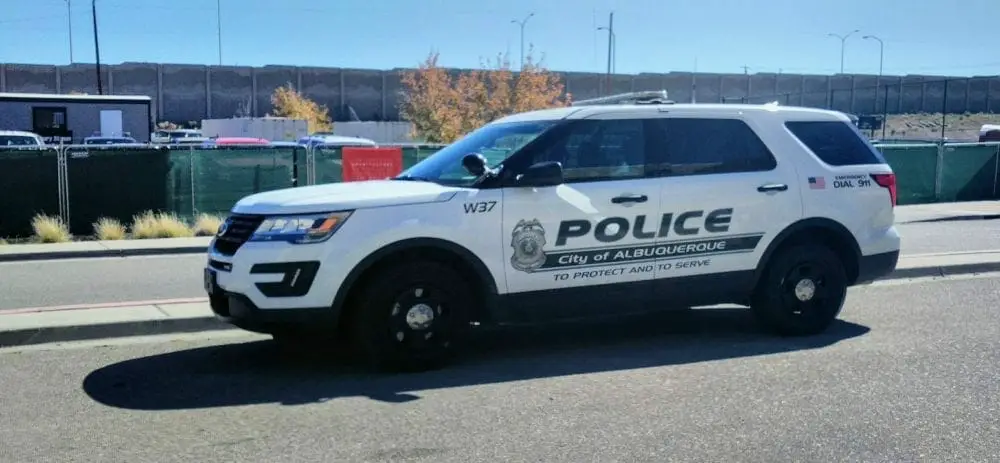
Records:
x=598, y=150
x=496, y=142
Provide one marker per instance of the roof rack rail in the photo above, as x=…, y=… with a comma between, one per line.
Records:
x=643, y=97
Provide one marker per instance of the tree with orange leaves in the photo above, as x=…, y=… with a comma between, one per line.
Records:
x=442, y=108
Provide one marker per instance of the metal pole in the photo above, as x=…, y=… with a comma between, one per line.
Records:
x=522, y=23
x=843, y=43
x=97, y=48
x=885, y=109
x=218, y=23
x=69, y=23
x=944, y=110
x=611, y=32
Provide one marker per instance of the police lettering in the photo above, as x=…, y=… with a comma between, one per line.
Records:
x=612, y=229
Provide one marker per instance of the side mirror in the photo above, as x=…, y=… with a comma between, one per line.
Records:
x=548, y=173
x=475, y=164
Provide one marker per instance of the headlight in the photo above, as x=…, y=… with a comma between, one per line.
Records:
x=300, y=229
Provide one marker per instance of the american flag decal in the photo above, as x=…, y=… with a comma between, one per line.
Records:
x=817, y=183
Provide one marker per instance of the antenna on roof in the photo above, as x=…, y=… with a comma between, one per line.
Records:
x=644, y=97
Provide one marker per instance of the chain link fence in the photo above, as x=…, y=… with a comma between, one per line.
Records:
x=81, y=184
x=928, y=110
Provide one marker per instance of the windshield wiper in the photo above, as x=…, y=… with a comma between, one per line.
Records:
x=411, y=178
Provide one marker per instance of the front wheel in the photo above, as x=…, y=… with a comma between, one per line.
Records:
x=802, y=291
x=410, y=317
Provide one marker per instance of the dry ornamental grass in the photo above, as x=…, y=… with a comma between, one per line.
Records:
x=207, y=224
x=50, y=229
x=109, y=229
x=159, y=225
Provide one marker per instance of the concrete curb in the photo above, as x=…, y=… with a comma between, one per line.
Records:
x=53, y=255
x=112, y=330
x=954, y=218
x=34, y=336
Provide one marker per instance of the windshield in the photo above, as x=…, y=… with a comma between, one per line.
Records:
x=17, y=140
x=496, y=142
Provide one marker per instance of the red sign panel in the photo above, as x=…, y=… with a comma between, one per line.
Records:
x=364, y=163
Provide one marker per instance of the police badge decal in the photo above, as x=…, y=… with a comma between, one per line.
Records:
x=528, y=239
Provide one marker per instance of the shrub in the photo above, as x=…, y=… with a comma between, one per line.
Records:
x=207, y=224
x=50, y=229
x=151, y=224
x=109, y=229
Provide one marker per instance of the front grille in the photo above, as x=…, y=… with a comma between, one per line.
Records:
x=240, y=228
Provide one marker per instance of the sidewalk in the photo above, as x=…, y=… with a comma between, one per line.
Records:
x=973, y=210
x=114, y=320
x=116, y=248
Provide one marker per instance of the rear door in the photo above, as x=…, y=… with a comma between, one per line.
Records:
x=724, y=197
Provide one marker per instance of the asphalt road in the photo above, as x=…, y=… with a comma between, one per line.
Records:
x=87, y=281
x=910, y=374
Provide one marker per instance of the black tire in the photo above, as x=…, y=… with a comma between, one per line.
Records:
x=383, y=336
x=777, y=306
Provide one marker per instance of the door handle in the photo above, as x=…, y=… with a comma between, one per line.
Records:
x=629, y=199
x=772, y=187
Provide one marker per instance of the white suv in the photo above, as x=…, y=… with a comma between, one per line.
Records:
x=595, y=209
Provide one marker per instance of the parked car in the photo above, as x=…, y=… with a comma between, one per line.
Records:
x=334, y=141
x=235, y=141
x=989, y=133
x=18, y=138
x=102, y=140
x=178, y=137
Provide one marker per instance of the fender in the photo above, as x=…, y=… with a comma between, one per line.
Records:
x=482, y=273
x=789, y=231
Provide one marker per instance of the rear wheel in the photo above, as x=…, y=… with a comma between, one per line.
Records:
x=802, y=291
x=411, y=317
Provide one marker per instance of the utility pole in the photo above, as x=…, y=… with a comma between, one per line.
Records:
x=843, y=42
x=97, y=48
x=611, y=38
x=218, y=24
x=69, y=24
x=522, y=23
x=746, y=69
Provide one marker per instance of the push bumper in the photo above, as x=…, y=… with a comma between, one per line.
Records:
x=875, y=266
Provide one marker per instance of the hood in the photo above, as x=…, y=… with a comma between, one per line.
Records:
x=345, y=195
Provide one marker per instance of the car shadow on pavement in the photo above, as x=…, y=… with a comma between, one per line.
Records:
x=258, y=372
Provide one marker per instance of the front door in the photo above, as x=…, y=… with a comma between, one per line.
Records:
x=577, y=248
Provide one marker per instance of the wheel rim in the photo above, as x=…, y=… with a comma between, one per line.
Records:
x=809, y=292
x=419, y=321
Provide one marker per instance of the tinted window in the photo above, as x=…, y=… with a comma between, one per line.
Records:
x=836, y=143
x=708, y=146
x=17, y=140
x=592, y=150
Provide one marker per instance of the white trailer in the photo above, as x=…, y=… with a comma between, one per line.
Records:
x=268, y=128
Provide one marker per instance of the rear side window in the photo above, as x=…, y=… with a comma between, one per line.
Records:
x=835, y=142
x=696, y=146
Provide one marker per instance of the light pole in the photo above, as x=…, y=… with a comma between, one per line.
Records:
x=614, y=47
x=611, y=38
x=522, y=23
x=69, y=23
x=881, y=56
x=218, y=24
x=843, y=41
x=97, y=48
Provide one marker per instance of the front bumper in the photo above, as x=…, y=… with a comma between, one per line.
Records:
x=239, y=311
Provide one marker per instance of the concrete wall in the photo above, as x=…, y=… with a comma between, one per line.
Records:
x=184, y=93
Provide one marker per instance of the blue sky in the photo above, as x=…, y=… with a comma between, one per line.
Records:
x=933, y=37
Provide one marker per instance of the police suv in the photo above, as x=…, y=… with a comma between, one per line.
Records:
x=610, y=206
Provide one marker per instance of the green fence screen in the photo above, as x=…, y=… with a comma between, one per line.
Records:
x=30, y=186
x=969, y=172
x=916, y=168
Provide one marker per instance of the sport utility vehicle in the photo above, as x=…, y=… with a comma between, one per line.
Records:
x=595, y=209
